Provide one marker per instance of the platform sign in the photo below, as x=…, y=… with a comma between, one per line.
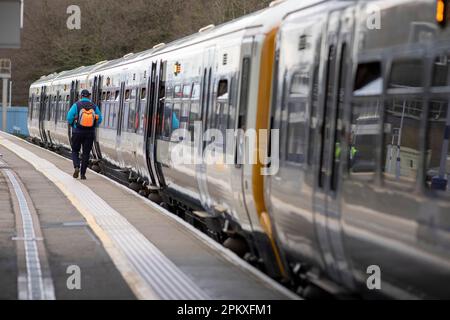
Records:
x=10, y=23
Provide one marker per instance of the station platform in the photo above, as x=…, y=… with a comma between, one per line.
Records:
x=62, y=238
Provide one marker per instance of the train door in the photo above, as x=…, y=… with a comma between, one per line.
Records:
x=74, y=95
x=200, y=145
x=43, y=114
x=150, y=123
x=327, y=212
x=240, y=126
x=120, y=123
x=57, y=108
x=96, y=99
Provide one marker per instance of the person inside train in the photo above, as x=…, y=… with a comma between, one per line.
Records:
x=84, y=116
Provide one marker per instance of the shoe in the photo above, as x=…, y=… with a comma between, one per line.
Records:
x=76, y=173
x=83, y=177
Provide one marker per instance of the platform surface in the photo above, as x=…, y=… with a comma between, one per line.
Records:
x=125, y=246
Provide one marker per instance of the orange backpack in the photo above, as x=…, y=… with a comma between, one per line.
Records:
x=86, y=117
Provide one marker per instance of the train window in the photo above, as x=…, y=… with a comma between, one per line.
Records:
x=178, y=92
x=127, y=95
x=438, y=151
x=103, y=96
x=407, y=73
x=108, y=96
x=300, y=84
x=296, y=131
x=187, y=91
x=143, y=93
x=196, y=91
x=365, y=119
x=368, y=80
x=222, y=92
x=297, y=104
x=401, y=147
x=441, y=71
x=364, y=133
x=117, y=95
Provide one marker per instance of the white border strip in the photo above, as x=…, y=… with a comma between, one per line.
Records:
x=34, y=281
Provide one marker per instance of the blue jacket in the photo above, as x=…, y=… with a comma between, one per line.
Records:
x=73, y=113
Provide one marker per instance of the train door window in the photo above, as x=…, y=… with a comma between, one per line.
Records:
x=184, y=119
x=437, y=174
x=167, y=121
x=142, y=107
x=103, y=96
x=30, y=107
x=176, y=116
x=297, y=128
x=221, y=117
x=339, y=125
x=49, y=107
x=126, y=110
x=37, y=106
x=326, y=118
x=169, y=91
x=402, y=118
x=117, y=95
x=55, y=109
x=365, y=120
x=314, y=102
x=132, y=111
x=106, y=116
x=194, y=113
x=68, y=106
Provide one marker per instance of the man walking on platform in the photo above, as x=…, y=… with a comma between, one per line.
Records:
x=84, y=116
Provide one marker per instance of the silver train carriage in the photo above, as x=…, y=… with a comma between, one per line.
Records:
x=358, y=181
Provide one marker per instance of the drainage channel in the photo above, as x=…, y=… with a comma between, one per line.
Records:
x=34, y=280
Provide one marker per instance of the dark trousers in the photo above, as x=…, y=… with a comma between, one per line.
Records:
x=85, y=140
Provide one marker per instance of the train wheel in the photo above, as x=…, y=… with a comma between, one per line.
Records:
x=155, y=197
x=237, y=245
x=135, y=186
x=144, y=192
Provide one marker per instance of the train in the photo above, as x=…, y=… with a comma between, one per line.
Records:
x=349, y=193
